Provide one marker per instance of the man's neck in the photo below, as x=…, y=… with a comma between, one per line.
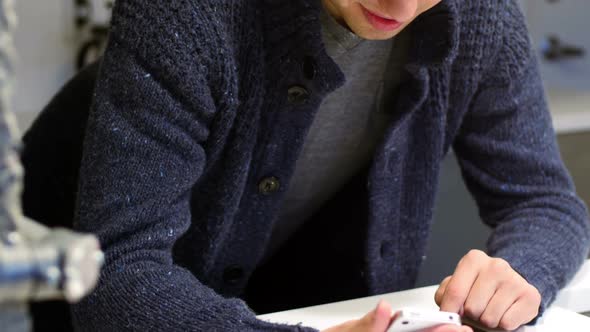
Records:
x=334, y=12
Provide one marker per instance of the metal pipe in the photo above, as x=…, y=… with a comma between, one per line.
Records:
x=36, y=263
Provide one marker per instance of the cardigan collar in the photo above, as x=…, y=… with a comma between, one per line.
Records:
x=293, y=25
x=435, y=35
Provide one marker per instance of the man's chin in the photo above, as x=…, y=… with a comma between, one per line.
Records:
x=371, y=34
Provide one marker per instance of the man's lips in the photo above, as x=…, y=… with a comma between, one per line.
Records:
x=379, y=22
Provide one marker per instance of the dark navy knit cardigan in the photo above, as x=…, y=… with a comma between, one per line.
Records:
x=194, y=106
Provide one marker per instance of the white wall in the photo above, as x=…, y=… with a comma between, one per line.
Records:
x=567, y=19
x=46, y=45
x=568, y=80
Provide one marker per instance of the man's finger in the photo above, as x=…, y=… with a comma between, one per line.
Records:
x=450, y=328
x=480, y=295
x=521, y=312
x=502, y=300
x=513, y=318
x=441, y=290
x=379, y=319
x=463, y=278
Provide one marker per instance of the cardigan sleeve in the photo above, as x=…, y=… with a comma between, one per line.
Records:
x=143, y=153
x=511, y=163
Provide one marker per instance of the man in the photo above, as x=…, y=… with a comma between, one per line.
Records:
x=261, y=154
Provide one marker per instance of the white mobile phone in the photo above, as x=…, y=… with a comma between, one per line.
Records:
x=414, y=320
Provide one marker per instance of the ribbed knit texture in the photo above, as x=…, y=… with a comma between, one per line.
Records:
x=190, y=112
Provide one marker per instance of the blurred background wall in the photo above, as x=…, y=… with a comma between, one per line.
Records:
x=46, y=45
x=49, y=37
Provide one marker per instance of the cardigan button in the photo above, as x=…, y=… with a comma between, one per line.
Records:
x=233, y=274
x=385, y=249
x=269, y=185
x=297, y=94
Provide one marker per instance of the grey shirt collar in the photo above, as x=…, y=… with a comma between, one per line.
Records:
x=344, y=37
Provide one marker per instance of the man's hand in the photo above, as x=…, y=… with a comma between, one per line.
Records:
x=489, y=291
x=379, y=320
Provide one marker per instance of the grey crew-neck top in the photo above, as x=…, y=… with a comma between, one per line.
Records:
x=347, y=128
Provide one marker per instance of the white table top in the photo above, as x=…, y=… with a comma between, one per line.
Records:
x=556, y=318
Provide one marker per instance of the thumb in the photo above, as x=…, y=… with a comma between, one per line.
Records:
x=378, y=320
